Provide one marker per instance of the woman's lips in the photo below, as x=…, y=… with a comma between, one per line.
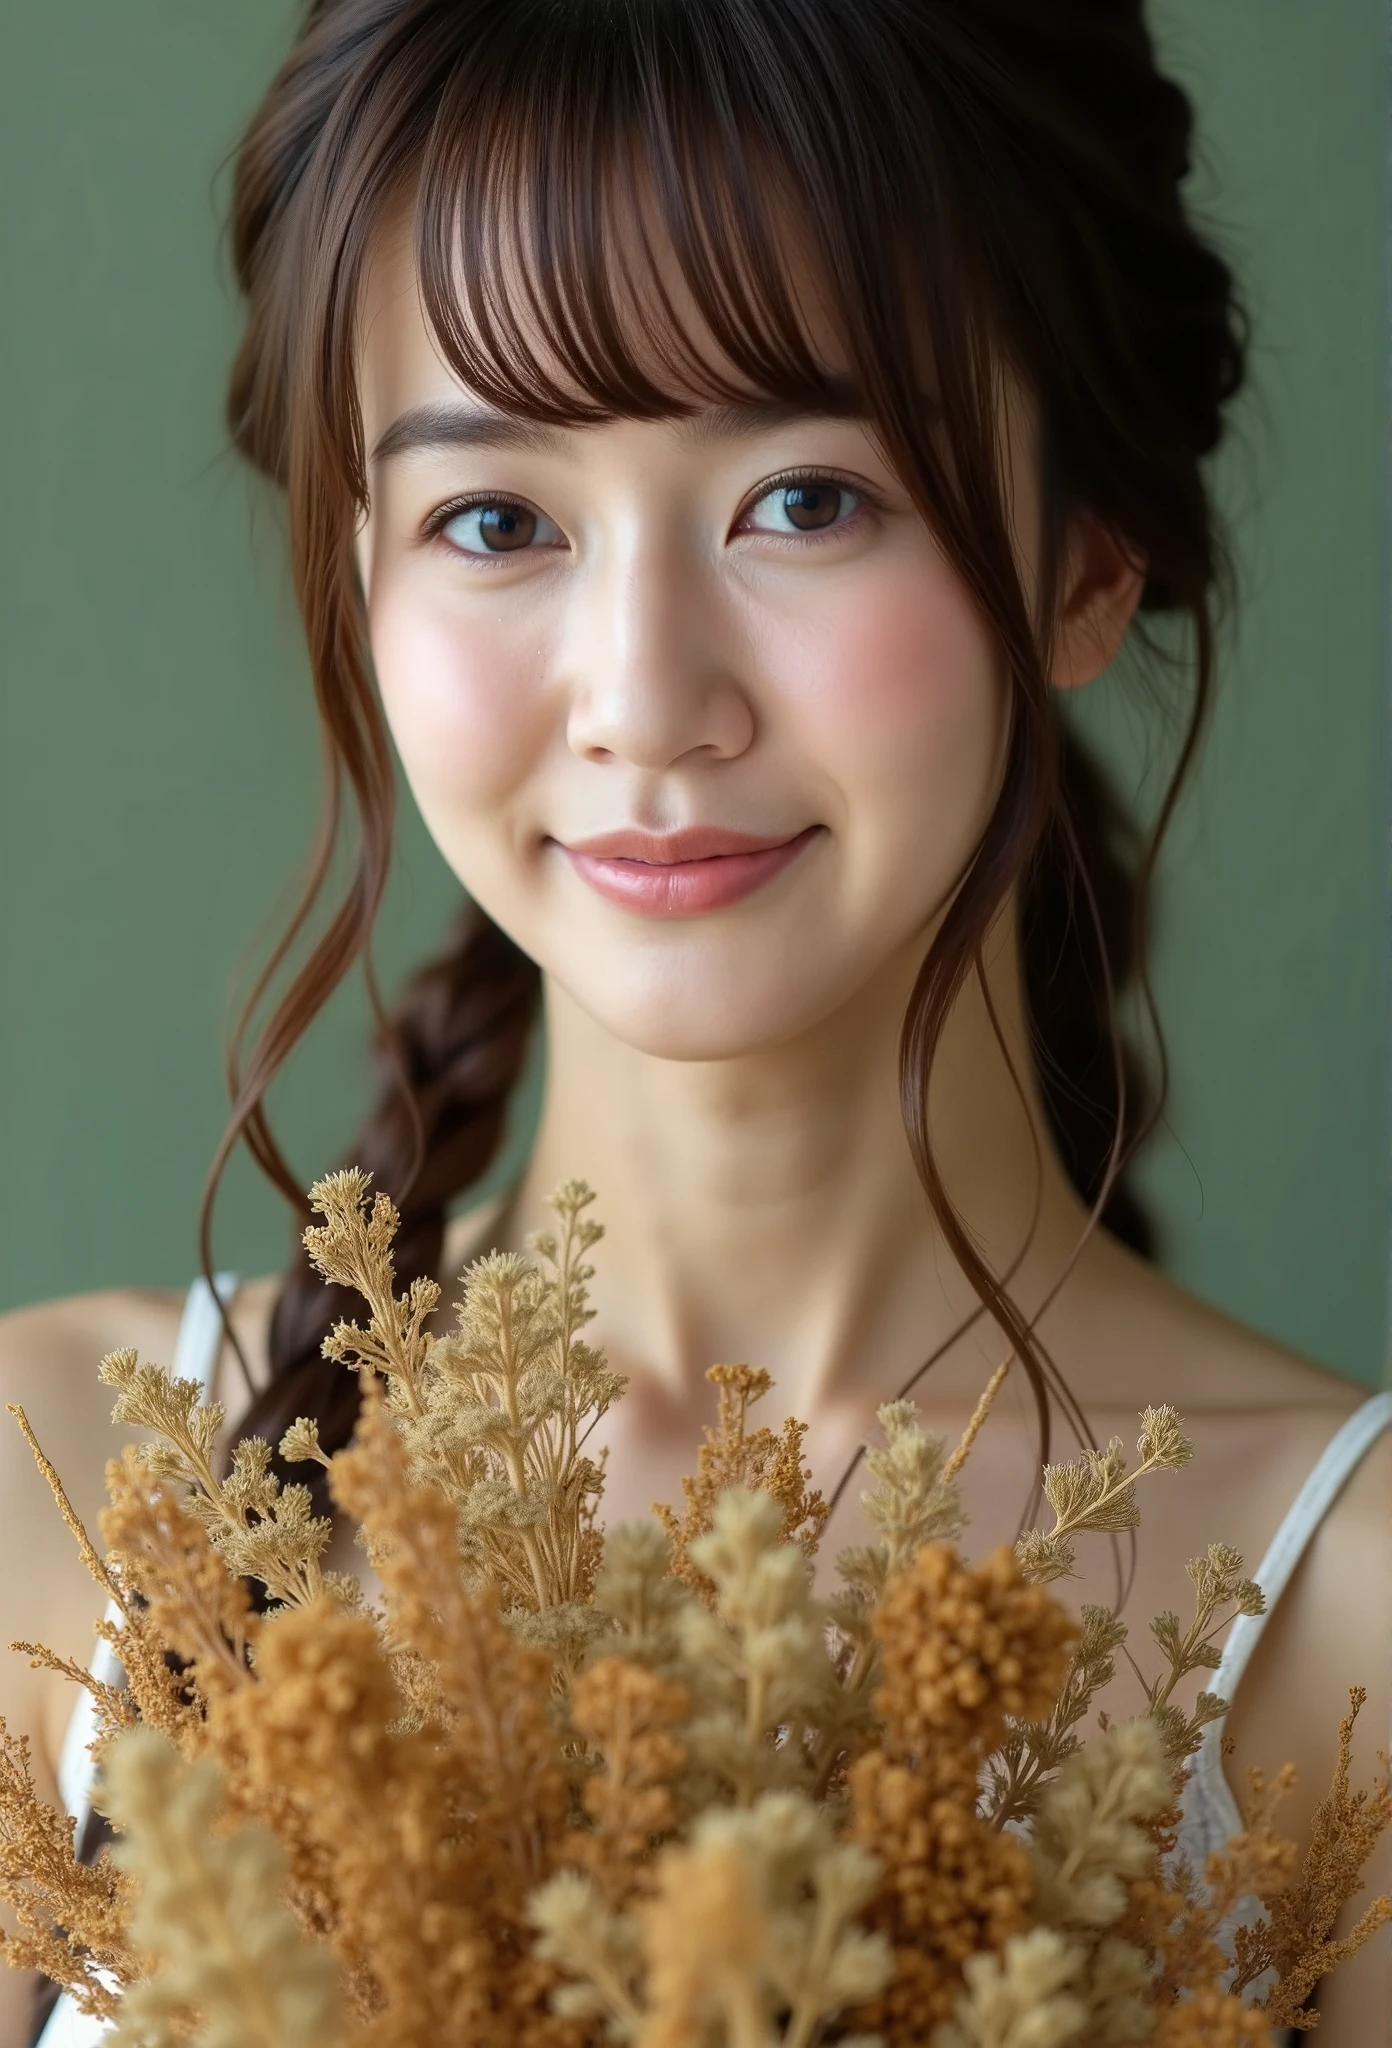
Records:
x=681, y=874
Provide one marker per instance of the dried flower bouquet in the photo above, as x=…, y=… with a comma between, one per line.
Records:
x=551, y=1786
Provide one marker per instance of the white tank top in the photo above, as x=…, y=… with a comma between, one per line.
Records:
x=1210, y=1813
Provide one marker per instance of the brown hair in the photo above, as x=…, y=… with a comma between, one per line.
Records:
x=1003, y=176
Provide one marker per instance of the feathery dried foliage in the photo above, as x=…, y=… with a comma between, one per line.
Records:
x=553, y=1789
x=763, y=1460
x=263, y=1530
x=1295, y=1939
x=495, y=1414
x=1097, y=1494
x=74, y=1922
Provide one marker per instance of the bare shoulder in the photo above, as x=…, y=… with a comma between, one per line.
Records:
x=1190, y=1353
x=50, y=1352
x=1260, y=1416
x=49, y=1355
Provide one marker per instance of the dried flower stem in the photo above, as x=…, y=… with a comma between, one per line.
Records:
x=979, y=1414
x=94, y=1562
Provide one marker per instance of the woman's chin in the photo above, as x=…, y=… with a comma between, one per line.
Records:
x=707, y=1019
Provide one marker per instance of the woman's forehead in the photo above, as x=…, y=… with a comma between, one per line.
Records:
x=649, y=305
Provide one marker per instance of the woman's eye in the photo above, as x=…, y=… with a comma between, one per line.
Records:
x=810, y=505
x=498, y=527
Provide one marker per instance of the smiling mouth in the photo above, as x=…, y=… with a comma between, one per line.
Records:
x=681, y=874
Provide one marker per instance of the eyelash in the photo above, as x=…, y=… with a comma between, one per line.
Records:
x=433, y=527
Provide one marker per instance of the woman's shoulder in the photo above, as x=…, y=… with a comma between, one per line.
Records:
x=1196, y=1356
x=49, y=1355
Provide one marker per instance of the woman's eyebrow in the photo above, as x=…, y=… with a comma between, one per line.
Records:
x=455, y=423
x=451, y=423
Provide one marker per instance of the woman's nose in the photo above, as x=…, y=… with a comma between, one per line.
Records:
x=654, y=678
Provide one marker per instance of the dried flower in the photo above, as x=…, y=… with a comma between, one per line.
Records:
x=1097, y=1493
x=626, y=1713
x=1087, y=1841
x=1213, y=2019
x=963, y=1647
x=555, y=1789
x=230, y=1969
x=1033, y=1750
x=913, y=1501
x=1021, y=1998
x=1296, y=1938
x=730, y=1457
x=73, y=1921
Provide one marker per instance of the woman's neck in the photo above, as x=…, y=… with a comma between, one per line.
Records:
x=767, y=1208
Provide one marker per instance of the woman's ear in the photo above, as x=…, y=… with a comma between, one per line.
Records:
x=1102, y=585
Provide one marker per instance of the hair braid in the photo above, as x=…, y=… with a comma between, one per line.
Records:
x=445, y=1063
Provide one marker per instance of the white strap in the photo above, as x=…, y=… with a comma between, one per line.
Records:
x=69, y=2028
x=195, y=1357
x=1210, y=1811
x=200, y=1330
x=1340, y=1457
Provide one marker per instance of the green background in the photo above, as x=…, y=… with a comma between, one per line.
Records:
x=160, y=763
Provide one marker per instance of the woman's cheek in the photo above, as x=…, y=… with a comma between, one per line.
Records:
x=462, y=687
x=904, y=690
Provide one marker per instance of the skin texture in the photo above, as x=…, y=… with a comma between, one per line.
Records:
x=669, y=651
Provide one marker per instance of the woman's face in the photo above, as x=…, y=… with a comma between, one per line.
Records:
x=696, y=709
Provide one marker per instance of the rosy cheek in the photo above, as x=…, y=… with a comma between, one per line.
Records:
x=463, y=696
x=902, y=683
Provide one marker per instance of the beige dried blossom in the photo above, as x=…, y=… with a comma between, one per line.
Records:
x=1088, y=1843
x=496, y=1413
x=760, y=1664
x=229, y=1966
x=1021, y=1998
x=640, y=1596
x=752, y=1930
x=1097, y=1493
x=914, y=1501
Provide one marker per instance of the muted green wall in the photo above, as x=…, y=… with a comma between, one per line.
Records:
x=158, y=752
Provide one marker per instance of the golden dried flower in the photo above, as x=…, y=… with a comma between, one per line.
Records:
x=194, y=1604
x=1213, y=2019
x=731, y=1456
x=72, y=1920
x=626, y=1714
x=952, y=1887
x=962, y=1648
x=1296, y=1939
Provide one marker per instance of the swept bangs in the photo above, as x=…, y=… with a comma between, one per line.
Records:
x=578, y=157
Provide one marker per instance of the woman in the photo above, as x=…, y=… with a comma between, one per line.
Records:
x=718, y=434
